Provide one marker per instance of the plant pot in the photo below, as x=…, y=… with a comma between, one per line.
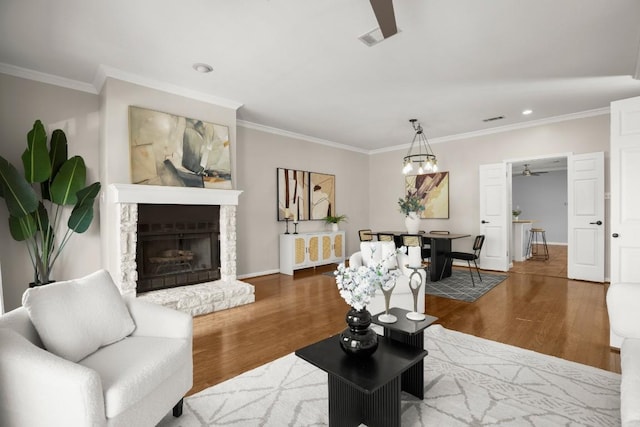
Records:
x=412, y=222
x=334, y=227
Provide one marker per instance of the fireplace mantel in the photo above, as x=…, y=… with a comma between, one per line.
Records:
x=155, y=194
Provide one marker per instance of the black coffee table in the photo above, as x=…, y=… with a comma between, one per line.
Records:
x=363, y=390
x=410, y=332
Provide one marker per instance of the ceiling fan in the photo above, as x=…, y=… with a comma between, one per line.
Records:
x=385, y=16
x=528, y=172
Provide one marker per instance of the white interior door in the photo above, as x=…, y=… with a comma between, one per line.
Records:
x=585, y=255
x=494, y=217
x=625, y=203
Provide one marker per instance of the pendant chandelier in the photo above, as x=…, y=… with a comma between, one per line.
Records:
x=423, y=157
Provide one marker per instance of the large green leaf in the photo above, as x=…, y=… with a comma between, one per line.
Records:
x=82, y=213
x=69, y=180
x=22, y=228
x=37, y=166
x=20, y=197
x=41, y=217
x=58, y=152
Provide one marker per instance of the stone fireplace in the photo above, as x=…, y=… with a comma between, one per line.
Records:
x=178, y=246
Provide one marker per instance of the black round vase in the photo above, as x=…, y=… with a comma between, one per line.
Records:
x=358, y=339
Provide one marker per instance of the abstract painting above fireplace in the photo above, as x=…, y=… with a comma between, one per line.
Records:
x=178, y=151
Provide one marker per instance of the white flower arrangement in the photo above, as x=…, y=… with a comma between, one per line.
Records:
x=358, y=284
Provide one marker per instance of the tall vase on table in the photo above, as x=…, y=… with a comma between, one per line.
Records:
x=412, y=222
x=359, y=339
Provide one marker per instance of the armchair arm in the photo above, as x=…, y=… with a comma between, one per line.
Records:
x=153, y=320
x=623, y=304
x=355, y=260
x=38, y=387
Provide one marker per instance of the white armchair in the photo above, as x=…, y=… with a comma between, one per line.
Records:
x=623, y=305
x=402, y=296
x=132, y=381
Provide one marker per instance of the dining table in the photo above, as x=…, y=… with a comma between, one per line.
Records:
x=440, y=244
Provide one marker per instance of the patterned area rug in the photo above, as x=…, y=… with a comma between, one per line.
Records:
x=460, y=287
x=468, y=381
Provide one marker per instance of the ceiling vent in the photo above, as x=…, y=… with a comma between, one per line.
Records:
x=373, y=37
x=491, y=119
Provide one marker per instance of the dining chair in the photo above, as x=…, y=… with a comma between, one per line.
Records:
x=365, y=235
x=469, y=256
x=385, y=237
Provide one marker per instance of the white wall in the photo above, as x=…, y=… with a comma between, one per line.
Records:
x=462, y=159
x=21, y=103
x=260, y=154
x=543, y=198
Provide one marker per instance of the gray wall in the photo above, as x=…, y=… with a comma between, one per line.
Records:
x=543, y=198
x=77, y=113
x=367, y=186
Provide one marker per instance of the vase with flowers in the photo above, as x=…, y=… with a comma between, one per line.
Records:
x=411, y=206
x=357, y=285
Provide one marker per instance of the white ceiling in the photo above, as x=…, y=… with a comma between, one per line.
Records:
x=297, y=65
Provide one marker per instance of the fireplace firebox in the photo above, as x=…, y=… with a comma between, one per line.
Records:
x=177, y=245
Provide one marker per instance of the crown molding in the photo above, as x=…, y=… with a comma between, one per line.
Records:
x=501, y=129
x=105, y=72
x=280, y=132
x=38, y=76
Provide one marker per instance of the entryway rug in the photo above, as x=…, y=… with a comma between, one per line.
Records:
x=468, y=381
x=459, y=286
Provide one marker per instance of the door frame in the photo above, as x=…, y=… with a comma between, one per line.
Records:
x=510, y=163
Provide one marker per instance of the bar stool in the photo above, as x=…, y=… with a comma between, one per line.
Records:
x=537, y=236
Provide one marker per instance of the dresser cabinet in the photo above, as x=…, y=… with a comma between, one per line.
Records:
x=310, y=249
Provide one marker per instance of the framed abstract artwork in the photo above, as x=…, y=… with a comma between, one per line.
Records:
x=434, y=189
x=323, y=195
x=178, y=151
x=293, y=195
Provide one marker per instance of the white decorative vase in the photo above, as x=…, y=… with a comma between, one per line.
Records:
x=412, y=222
x=334, y=227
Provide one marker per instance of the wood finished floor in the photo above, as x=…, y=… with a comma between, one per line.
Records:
x=550, y=315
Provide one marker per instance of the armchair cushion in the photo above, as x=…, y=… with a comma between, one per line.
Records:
x=76, y=317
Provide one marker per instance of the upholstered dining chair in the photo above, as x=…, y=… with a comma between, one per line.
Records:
x=469, y=256
x=365, y=235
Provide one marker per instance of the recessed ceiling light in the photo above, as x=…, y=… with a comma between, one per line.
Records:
x=527, y=112
x=202, y=68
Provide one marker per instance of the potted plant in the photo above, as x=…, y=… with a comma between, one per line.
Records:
x=35, y=216
x=411, y=206
x=516, y=213
x=335, y=220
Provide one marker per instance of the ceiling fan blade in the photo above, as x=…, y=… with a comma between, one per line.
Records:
x=386, y=17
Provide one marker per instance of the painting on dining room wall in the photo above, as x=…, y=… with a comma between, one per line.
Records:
x=171, y=150
x=293, y=195
x=323, y=195
x=434, y=188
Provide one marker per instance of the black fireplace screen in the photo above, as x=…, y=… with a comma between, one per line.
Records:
x=177, y=245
